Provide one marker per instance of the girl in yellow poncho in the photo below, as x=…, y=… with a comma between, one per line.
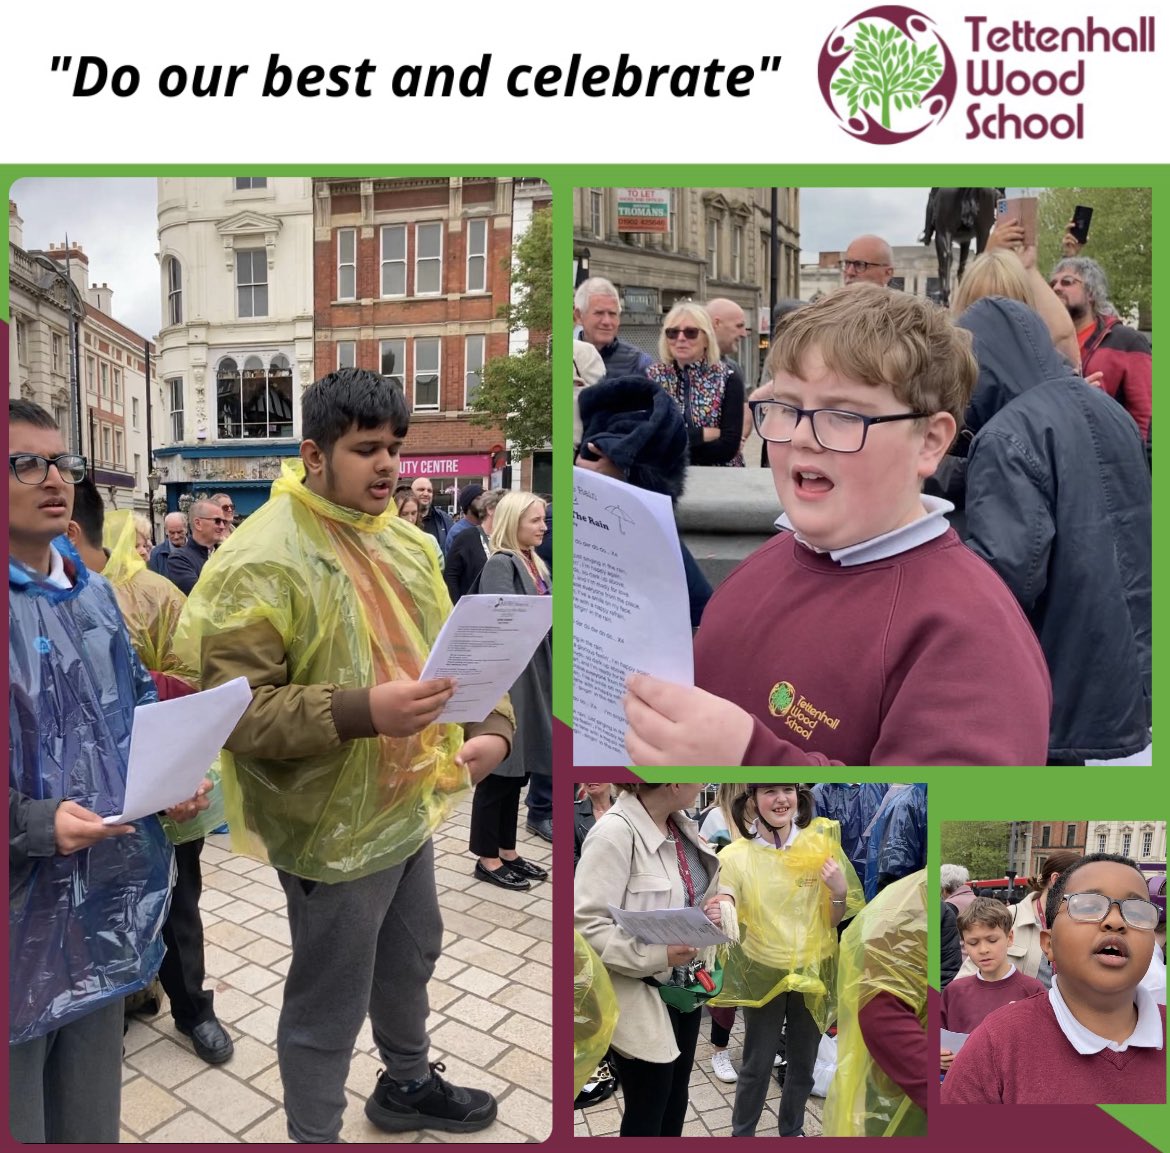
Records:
x=791, y=883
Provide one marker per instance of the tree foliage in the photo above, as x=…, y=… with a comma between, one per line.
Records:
x=981, y=846
x=888, y=68
x=1120, y=240
x=515, y=391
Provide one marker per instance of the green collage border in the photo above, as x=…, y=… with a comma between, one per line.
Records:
x=954, y=794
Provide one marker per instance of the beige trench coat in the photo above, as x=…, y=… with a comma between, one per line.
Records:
x=627, y=862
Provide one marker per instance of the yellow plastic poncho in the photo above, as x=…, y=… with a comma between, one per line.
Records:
x=151, y=606
x=595, y=1011
x=884, y=950
x=358, y=600
x=787, y=941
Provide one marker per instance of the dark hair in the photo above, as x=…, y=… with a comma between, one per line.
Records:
x=986, y=911
x=25, y=412
x=351, y=398
x=1056, y=893
x=1054, y=863
x=88, y=511
x=743, y=821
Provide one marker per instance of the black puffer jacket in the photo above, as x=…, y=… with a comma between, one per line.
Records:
x=1058, y=501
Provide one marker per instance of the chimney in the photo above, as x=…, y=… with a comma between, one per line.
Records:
x=101, y=296
x=15, y=226
x=78, y=263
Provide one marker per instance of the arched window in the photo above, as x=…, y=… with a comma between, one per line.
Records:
x=174, y=291
x=280, y=402
x=229, y=417
x=254, y=386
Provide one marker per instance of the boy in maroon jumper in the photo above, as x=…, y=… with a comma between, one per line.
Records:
x=869, y=634
x=986, y=929
x=1098, y=1035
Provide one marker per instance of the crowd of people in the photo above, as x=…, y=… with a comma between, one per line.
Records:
x=816, y=944
x=326, y=600
x=1070, y=980
x=968, y=488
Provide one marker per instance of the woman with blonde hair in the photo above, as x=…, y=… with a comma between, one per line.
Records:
x=142, y=536
x=513, y=567
x=690, y=371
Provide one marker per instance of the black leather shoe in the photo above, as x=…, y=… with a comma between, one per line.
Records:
x=211, y=1041
x=542, y=829
x=523, y=868
x=503, y=876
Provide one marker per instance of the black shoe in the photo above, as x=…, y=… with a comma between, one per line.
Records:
x=523, y=868
x=600, y=1087
x=503, y=876
x=211, y=1041
x=437, y=1105
x=542, y=829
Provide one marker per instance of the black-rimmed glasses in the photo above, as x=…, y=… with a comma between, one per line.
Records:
x=861, y=265
x=1093, y=908
x=835, y=429
x=31, y=468
x=218, y=521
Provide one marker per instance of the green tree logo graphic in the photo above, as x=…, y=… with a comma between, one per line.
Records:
x=888, y=68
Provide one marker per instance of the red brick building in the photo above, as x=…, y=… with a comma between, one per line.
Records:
x=1048, y=836
x=409, y=278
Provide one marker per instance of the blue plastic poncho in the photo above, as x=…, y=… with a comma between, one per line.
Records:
x=852, y=806
x=83, y=929
x=897, y=839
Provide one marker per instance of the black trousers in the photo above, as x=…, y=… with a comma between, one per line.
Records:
x=495, y=809
x=655, y=1094
x=182, y=968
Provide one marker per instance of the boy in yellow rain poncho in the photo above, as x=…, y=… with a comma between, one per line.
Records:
x=792, y=884
x=883, y=1063
x=338, y=773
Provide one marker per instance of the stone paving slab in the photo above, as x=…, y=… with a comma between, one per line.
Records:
x=490, y=1004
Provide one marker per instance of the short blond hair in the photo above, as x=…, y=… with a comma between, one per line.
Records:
x=881, y=336
x=702, y=320
x=997, y=273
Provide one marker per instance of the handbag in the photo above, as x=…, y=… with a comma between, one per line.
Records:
x=687, y=998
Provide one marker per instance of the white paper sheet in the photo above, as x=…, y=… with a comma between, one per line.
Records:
x=631, y=612
x=951, y=1040
x=670, y=927
x=172, y=745
x=485, y=645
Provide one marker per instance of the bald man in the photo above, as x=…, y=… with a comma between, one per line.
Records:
x=175, y=525
x=868, y=258
x=730, y=326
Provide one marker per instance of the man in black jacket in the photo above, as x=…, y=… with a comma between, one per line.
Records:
x=597, y=309
x=208, y=527
x=431, y=518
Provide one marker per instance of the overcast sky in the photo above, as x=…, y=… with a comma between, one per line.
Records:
x=831, y=217
x=115, y=222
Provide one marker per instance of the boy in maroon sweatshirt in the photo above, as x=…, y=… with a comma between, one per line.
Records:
x=1097, y=1034
x=985, y=927
x=869, y=634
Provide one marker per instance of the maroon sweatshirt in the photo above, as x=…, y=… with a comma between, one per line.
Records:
x=967, y=1000
x=897, y=1042
x=1019, y=1056
x=920, y=659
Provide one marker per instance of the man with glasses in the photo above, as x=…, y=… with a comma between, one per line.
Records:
x=1119, y=353
x=208, y=525
x=86, y=900
x=228, y=510
x=175, y=527
x=868, y=259
x=1097, y=1037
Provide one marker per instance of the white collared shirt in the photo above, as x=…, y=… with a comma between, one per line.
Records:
x=996, y=980
x=57, y=577
x=1146, y=1035
x=792, y=834
x=899, y=540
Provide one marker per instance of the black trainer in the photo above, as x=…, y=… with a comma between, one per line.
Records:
x=437, y=1105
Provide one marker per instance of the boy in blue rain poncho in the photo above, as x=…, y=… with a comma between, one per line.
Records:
x=86, y=900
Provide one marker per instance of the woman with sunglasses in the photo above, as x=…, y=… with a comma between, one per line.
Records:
x=689, y=369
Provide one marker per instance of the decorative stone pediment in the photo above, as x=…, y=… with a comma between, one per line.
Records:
x=244, y=230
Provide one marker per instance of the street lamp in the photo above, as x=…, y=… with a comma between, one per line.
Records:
x=152, y=479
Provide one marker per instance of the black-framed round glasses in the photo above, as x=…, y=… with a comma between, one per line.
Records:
x=860, y=265
x=1094, y=908
x=31, y=468
x=835, y=429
